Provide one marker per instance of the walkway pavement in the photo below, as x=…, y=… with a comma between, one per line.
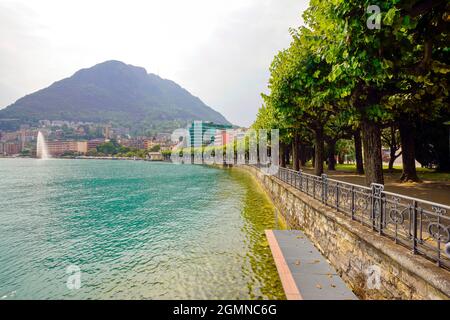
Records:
x=304, y=272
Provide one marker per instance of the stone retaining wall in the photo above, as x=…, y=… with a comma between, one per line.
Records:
x=373, y=266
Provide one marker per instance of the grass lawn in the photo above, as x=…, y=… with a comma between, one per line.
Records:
x=424, y=173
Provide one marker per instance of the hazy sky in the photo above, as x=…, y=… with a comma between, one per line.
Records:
x=218, y=50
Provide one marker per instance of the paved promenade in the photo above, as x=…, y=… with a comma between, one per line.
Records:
x=304, y=272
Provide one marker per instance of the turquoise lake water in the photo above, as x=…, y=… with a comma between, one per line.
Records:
x=136, y=230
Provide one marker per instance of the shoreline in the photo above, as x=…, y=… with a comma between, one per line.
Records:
x=284, y=225
x=86, y=158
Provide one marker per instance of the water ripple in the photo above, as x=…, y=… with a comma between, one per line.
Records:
x=136, y=230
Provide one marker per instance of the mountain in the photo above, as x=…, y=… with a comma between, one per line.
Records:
x=114, y=92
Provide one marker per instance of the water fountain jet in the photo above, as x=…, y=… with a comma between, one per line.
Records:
x=41, y=148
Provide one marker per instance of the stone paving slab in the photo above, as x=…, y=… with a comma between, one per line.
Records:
x=304, y=272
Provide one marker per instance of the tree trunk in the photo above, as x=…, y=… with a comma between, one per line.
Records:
x=358, y=152
x=301, y=154
x=318, y=152
x=287, y=153
x=372, y=152
x=391, y=161
x=295, y=153
x=392, y=157
x=444, y=156
x=408, y=152
x=313, y=158
x=282, y=155
x=392, y=149
x=331, y=155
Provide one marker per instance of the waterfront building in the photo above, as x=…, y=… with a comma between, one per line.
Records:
x=202, y=133
x=163, y=137
x=10, y=136
x=137, y=143
x=57, y=148
x=148, y=144
x=142, y=143
x=220, y=138
x=94, y=143
x=27, y=136
x=155, y=156
x=107, y=131
x=10, y=148
x=223, y=137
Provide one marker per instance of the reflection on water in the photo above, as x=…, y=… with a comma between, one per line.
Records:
x=136, y=230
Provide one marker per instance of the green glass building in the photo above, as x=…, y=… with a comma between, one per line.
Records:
x=201, y=133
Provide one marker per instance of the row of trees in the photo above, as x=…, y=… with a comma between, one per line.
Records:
x=114, y=148
x=343, y=79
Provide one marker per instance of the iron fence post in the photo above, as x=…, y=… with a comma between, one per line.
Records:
x=352, y=192
x=324, y=187
x=376, y=210
x=307, y=185
x=414, y=227
x=295, y=180
x=337, y=196
x=314, y=187
x=301, y=179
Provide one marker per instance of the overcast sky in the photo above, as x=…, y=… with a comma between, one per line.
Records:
x=219, y=50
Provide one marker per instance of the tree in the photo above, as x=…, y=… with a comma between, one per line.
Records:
x=390, y=138
x=155, y=148
x=419, y=86
x=358, y=151
x=392, y=72
x=354, y=51
x=345, y=149
x=300, y=93
x=270, y=118
x=337, y=128
x=110, y=147
x=337, y=67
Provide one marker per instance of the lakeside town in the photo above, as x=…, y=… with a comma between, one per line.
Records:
x=69, y=139
x=81, y=139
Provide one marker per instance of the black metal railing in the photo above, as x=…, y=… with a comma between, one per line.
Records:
x=421, y=225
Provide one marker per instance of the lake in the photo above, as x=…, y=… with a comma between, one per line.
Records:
x=134, y=230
